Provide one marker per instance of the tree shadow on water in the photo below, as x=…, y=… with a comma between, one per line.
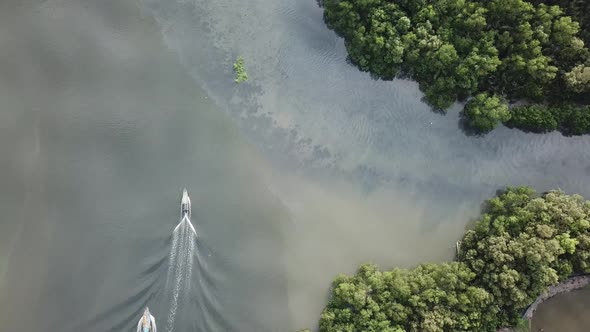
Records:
x=463, y=125
x=433, y=109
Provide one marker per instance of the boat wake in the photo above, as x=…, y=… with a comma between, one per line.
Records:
x=192, y=305
x=180, y=269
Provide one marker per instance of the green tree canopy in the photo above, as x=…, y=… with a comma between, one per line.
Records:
x=430, y=298
x=579, y=10
x=484, y=112
x=521, y=244
x=512, y=49
x=533, y=118
x=578, y=79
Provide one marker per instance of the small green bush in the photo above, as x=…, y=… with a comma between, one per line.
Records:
x=241, y=75
x=484, y=112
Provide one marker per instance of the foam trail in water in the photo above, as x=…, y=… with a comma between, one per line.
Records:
x=189, y=268
x=172, y=259
x=180, y=269
x=175, y=266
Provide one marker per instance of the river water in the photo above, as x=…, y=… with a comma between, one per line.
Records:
x=566, y=312
x=110, y=107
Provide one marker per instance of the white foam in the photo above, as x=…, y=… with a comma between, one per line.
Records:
x=180, y=268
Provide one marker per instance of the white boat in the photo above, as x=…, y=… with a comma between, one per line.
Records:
x=185, y=212
x=147, y=323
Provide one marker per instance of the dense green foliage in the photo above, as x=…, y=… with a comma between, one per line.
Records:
x=569, y=119
x=523, y=325
x=579, y=10
x=431, y=297
x=534, y=118
x=521, y=245
x=241, y=75
x=484, y=112
x=458, y=48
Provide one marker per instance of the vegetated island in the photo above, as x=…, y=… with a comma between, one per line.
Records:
x=240, y=70
x=494, y=51
x=520, y=246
